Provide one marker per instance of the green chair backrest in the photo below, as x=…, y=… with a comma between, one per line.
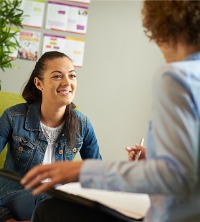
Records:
x=7, y=99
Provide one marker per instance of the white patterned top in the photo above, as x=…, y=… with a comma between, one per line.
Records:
x=51, y=135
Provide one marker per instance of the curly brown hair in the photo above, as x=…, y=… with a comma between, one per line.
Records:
x=172, y=20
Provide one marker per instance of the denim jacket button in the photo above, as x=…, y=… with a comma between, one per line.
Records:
x=20, y=148
x=60, y=152
x=74, y=150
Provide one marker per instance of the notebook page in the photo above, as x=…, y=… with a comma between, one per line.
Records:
x=133, y=205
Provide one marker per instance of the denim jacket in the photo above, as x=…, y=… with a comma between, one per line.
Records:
x=20, y=128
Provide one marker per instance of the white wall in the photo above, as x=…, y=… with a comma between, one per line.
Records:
x=114, y=84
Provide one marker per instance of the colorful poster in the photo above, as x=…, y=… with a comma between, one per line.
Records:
x=75, y=50
x=29, y=42
x=33, y=12
x=65, y=17
x=53, y=43
x=73, y=47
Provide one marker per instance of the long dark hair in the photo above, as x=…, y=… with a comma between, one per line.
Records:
x=32, y=94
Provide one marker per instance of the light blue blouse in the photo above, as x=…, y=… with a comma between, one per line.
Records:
x=170, y=175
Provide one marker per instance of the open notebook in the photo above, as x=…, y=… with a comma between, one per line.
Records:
x=125, y=206
x=132, y=205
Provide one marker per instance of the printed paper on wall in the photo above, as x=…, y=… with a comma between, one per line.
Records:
x=73, y=47
x=66, y=17
x=33, y=12
x=29, y=42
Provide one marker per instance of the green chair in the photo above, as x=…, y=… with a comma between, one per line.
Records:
x=8, y=99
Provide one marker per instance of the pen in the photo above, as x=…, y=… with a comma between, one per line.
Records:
x=137, y=156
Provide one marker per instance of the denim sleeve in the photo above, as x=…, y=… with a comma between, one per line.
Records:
x=90, y=147
x=5, y=129
x=5, y=214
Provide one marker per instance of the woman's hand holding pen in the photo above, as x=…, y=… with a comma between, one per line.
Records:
x=136, y=153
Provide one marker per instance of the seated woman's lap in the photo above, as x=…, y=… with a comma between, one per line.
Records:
x=22, y=203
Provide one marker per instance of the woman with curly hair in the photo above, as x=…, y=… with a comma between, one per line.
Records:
x=170, y=172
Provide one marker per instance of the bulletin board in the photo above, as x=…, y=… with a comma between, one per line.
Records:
x=58, y=25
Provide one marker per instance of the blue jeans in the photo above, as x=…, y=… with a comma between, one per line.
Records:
x=20, y=204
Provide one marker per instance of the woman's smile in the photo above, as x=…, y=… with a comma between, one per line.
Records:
x=64, y=92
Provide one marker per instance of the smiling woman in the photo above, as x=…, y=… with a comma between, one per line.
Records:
x=58, y=86
x=45, y=129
